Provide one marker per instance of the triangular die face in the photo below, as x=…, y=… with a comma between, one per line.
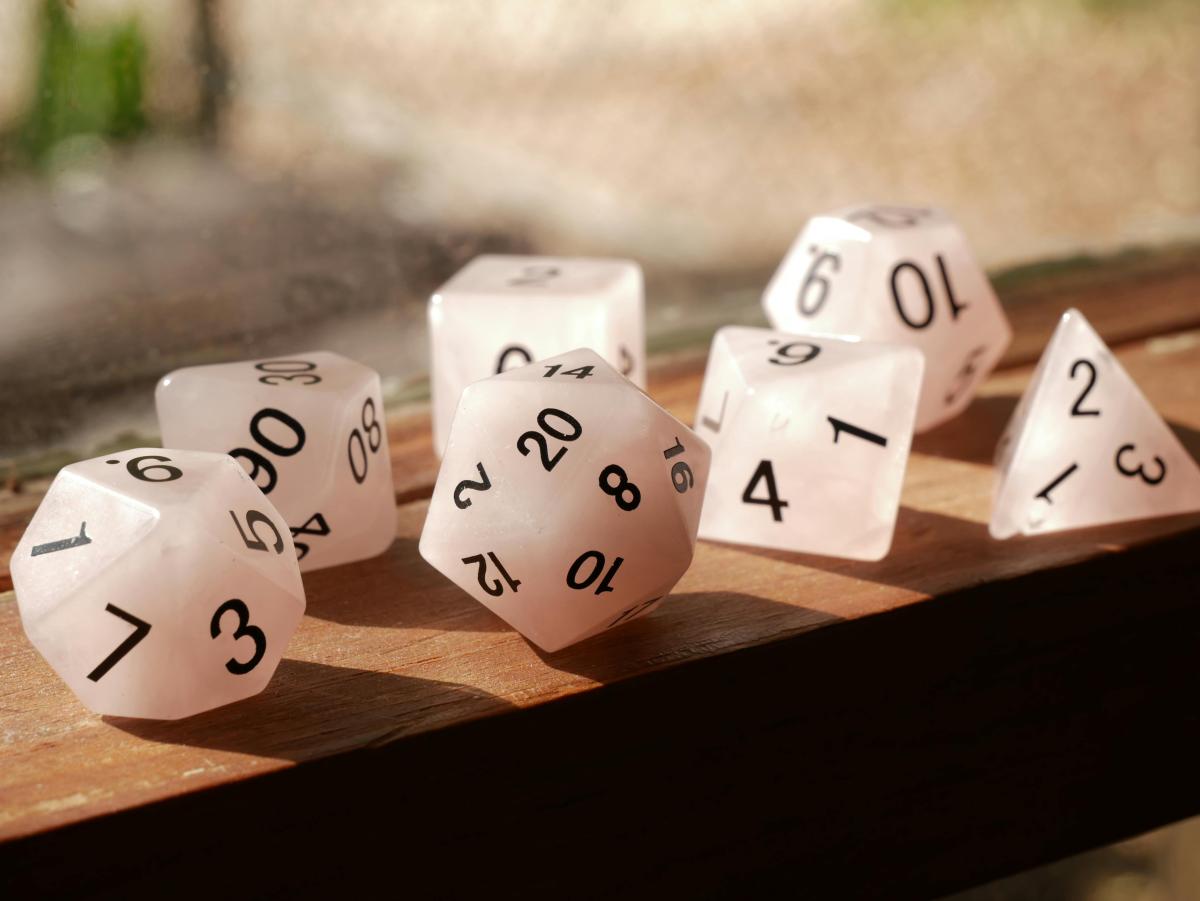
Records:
x=1085, y=447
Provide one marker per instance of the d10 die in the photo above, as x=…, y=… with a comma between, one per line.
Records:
x=1084, y=447
x=567, y=501
x=902, y=275
x=810, y=438
x=310, y=431
x=158, y=583
x=499, y=312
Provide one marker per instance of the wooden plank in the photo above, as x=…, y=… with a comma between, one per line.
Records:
x=390, y=650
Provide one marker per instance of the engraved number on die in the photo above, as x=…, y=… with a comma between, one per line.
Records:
x=1140, y=470
x=261, y=463
x=141, y=629
x=571, y=433
x=1077, y=407
x=243, y=630
x=493, y=587
x=897, y=298
x=281, y=371
x=374, y=440
x=596, y=559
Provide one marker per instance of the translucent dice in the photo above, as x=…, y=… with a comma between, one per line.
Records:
x=810, y=439
x=1084, y=446
x=902, y=275
x=499, y=312
x=310, y=431
x=158, y=583
x=567, y=501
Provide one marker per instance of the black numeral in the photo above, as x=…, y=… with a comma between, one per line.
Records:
x=484, y=484
x=681, y=474
x=765, y=473
x=280, y=371
x=839, y=427
x=374, y=440
x=634, y=612
x=927, y=320
x=142, y=473
x=626, y=360
x=1140, y=470
x=254, y=518
x=597, y=567
x=513, y=350
x=965, y=375
x=891, y=216
x=810, y=301
x=784, y=355
x=715, y=424
x=261, y=463
x=543, y=420
x=1044, y=494
x=494, y=588
x=580, y=372
x=320, y=530
x=627, y=494
x=1077, y=408
x=141, y=629
x=243, y=630
x=63, y=544
x=536, y=274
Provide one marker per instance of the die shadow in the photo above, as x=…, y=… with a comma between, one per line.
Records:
x=686, y=625
x=396, y=590
x=312, y=710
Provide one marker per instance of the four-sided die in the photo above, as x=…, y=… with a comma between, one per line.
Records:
x=499, y=312
x=310, y=430
x=1084, y=447
x=158, y=583
x=567, y=501
x=902, y=275
x=810, y=439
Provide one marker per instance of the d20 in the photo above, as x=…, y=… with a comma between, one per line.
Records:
x=310, y=431
x=567, y=501
x=158, y=583
x=500, y=312
x=1084, y=446
x=902, y=275
x=810, y=439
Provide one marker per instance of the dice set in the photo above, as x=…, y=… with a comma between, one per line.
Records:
x=160, y=583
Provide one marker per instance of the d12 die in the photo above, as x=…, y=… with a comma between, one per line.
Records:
x=310, y=431
x=1084, y=447
x=499, y=312
x=810, y=439
x=158, y=583
x=901, y=275
x=567, y=501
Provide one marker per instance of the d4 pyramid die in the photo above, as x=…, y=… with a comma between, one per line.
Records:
x=1085, y=448
x=567, y=501
x=810, y=440
x=902, y=275
x=499, y=312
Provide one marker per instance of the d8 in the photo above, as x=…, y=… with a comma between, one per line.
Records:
x=311, y=433
x=158, y=583
x=810, y=438
x=567, y=501
x=903, y=275
x=499, y=312
x=1084, y=446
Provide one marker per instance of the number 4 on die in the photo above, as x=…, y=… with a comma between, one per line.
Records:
x=1085, y=448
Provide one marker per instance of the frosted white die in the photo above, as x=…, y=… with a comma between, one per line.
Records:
x=499, y=312
x=1084, y=447
x=567, y=501
x=158, y=583
x=810, y=439
x=901, y=275
x=310, y=431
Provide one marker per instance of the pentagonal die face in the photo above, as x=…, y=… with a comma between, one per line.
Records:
x=899, y=275
x=810, y=439
x=500, y=312
x=567, y=501
x=158, y=583
x=1085, y=447
x=310, y=431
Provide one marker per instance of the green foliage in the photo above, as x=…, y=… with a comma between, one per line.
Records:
x=89, y=82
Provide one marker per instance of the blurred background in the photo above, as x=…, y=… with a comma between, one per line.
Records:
x=189, y=181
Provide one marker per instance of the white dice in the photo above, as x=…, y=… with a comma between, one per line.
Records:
x=1084, y=446
x=810, y=439
x=158, y=583
x=309, y=429
x=567, y=501
x=902, y=275
x=499, y=312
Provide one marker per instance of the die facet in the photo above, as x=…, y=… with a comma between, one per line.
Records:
x=901, y=275
x=499, y=312
x=158, y=583
x=310, y=431
x=567, y=500
x=810, y=438
x=1084, y=446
